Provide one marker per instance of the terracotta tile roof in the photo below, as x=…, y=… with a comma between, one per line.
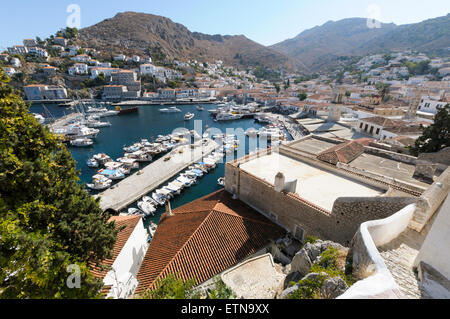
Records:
x=204, y=238
x=130, y=223
x=344, y=152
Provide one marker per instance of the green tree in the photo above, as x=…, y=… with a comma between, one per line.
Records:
x=383, y=89
x=172, y=287
x=435, y=137
x=277, y=87
x=47, y=219
x=220, y=290
x=70, y=33
x=302, y=96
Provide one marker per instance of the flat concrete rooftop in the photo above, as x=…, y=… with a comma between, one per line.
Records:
x=311, y=145
x=313, y=184
x=383, y=166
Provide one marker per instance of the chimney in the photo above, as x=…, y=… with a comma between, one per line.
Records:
x=279, y=182
x=168, y=209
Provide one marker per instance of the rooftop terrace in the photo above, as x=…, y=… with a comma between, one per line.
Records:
x=315, y=185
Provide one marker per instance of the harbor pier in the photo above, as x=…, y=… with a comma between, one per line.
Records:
x=132, y=188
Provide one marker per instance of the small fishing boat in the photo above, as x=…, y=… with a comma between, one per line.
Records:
x=187, y=182
x=200, y=108
x=165, y=192
x=147, y=208
x=134, y=211
x=102, y=158
x=221, y=181
x=129, y=110
x=92, y=163
x=172, y=109
x=160, y=199
x=112, y=174
x=197, y=172
x=150, y=200
x=81, y=142
x=100, y=182
x=189, y=116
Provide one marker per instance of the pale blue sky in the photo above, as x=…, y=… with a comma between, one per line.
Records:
x=263, y=21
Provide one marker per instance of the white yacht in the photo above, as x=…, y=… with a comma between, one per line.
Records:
x=147, y=208
x=102, y=158
x=92, y=163
x=189, y=116
x=228, y=117
x=112, y=174
x=81, y=142
x=171, y=109
x=159, y=198
x=39, y=118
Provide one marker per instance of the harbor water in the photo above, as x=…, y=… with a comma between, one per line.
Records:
x=148, y=123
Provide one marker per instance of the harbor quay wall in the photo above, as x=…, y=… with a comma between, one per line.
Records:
x=292, y=212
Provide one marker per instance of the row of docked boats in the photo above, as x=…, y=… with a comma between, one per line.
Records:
x=140, y=152
x=147, y=206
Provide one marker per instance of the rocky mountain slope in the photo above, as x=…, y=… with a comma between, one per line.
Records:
x=138, y=32
x=322, y=47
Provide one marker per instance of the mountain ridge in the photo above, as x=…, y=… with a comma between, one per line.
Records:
x=137, y=32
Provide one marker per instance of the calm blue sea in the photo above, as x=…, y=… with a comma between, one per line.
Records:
x=148, y=123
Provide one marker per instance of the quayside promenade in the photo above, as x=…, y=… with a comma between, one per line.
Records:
x=146, y=180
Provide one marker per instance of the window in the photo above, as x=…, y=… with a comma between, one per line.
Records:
x=361, y=126
x=378, y=131
x=299, y=233
x=371, y=130
x=367, y=126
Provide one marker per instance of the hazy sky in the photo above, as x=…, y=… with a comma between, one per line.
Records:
x=263, y=21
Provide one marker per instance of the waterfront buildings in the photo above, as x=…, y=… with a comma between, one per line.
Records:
x=128, y=79
x=37, y=92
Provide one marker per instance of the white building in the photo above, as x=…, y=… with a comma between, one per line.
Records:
x=120, y=57
x=42, y=53
x=100, y=70
x=10, y=71
x=15, y=62
x=430, y=106
x=129, y=251
x=18, y=49
x=78, y=69
x=84, y=58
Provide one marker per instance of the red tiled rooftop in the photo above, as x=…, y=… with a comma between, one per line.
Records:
x=203, y=238
x=343, y=153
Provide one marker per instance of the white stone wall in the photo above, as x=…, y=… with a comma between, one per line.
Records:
x=435, y=250
x=123, y=273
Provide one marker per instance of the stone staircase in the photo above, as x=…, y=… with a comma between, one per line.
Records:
x=399, y=256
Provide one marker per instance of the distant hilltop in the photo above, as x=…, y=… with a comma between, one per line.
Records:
x=134, y=33
x=318, y=49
